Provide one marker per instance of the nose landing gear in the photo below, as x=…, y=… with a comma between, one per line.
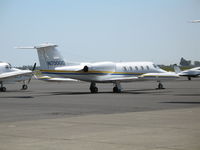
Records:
x=160, y=86
x=24, y=87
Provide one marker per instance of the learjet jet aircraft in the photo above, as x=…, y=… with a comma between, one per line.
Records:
x=53, y=65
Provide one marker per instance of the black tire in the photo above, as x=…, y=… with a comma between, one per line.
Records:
x=160, y=86
x=116, y=90
x=24, y=87
x=94, y=90
x=3, y=89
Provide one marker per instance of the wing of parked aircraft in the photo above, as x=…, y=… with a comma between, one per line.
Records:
x=53, y=79
x=19, y=73
x=146, y=76
x=9, y=74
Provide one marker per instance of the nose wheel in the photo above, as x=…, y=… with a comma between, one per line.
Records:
x=160, y=86
x=24, y=87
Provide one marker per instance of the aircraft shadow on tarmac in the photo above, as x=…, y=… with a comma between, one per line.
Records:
x=187, y=95
x=181, y=102
x=43, y=94
x=21, y=97
x=140, y=91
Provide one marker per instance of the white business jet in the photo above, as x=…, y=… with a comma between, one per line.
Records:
x=53, y=65
x=8, y=74
x=189, y=73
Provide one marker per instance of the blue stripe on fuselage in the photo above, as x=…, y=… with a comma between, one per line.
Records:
x=68, y=73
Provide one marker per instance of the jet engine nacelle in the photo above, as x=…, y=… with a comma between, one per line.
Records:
x=85, y=68
x=99, y=66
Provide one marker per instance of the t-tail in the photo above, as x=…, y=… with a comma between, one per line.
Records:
x=49, y=56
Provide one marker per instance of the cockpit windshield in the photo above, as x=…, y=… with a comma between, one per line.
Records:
x=156, y=66
x=8, y=66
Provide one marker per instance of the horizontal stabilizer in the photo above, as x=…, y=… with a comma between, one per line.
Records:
x=45, y=45
x=22, y=47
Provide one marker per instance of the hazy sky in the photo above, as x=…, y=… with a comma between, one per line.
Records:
x=101, y=30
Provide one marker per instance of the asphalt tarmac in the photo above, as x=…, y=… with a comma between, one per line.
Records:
x=62, y=116
x=56, y=100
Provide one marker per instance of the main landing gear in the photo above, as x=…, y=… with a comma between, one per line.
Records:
x=2, y=88
x=93, y=88
x=117, y=88
x=24, y=86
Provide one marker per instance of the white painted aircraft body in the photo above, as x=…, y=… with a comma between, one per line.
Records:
x=53, y=65
x=8, y=74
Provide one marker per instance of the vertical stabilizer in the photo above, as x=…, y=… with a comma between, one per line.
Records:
x=49, y=56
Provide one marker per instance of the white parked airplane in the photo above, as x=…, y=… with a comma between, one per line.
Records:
x=53, y=65
x=8, y=74
x=189, y=73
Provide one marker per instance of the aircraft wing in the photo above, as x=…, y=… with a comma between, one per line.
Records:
x=124, y=79
x=159, y=76
x=53, y=79
x=147, y=76
x=14, y=74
